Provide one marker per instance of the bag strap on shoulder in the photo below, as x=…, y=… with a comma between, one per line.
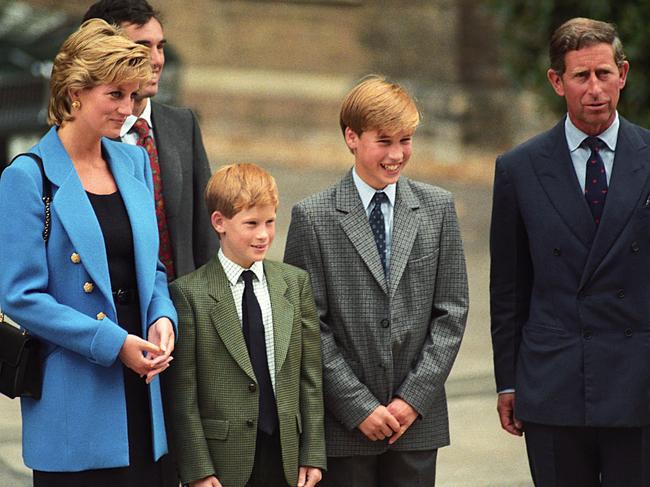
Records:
x=46, y=191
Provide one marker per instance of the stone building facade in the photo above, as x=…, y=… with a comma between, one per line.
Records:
x=267, y=77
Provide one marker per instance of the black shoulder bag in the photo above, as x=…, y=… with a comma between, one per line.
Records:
x=21, y=373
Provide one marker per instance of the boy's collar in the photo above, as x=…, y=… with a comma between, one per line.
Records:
x=233, y=270
x=366, y=192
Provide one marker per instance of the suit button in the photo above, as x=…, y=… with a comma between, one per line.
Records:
x=587, y=334
x=385, y=323
x=250, y=423
x=635, y=247
x=557, y=252
x=628, y=332
x=101, y=315
x=252, y=387
x=621, y=293
x=88, y=287
x=75, y=258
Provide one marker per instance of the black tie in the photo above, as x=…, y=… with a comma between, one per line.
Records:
x=377, y=225
x=595, y=179
x=253, y=328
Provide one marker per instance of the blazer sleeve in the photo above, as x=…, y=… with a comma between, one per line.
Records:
x=204, y=239
x=346, y=397
x=511, y=277
x=451, y=303
x=24, y=274
x=182, y=402
x=312, y=440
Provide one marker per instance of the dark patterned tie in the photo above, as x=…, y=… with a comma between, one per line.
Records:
x=145, y=140
x=253, y=328
x=378, y=227
x=596, y=179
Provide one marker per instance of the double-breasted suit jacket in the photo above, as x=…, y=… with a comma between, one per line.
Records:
x=185, y=172
x=383, y=337
x=571, y=301
x=212, y=391
x=61, y=292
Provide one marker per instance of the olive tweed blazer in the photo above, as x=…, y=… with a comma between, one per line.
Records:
x=211, y=390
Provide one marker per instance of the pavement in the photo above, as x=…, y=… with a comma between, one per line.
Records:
x=481, y=454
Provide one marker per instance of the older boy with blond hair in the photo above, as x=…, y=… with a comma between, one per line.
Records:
x=245, y=393
x=387, y=265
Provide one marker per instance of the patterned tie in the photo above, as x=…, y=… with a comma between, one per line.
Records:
x=378, y=227
x=145, y=139
x=596, y=179
x=253, y=328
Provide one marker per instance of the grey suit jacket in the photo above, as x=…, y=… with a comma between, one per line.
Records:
x=185, y=172
x=383, y=338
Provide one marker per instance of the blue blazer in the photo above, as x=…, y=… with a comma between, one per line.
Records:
x=80, y=422
x=570, y=301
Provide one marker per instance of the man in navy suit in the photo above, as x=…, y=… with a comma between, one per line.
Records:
x=570, y=287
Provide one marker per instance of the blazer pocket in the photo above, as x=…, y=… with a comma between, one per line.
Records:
x=299, y=423
x=643, y=212
x=537, y=327
x=420, y=261
x=215, y=429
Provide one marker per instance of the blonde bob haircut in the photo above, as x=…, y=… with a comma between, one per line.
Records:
x=377, y=104
x=96, y=54
x=238, y=187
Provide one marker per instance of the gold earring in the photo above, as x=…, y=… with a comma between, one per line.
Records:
x=76, y=105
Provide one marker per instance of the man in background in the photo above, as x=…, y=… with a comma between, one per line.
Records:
x=173, y=141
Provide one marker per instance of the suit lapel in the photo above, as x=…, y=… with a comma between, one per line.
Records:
x=355, y=225
x=283, y=313
x=405, y=230
x=224, y=316
x=169, y=158
x=557, y=177
x=73, y=208
x=629, y=174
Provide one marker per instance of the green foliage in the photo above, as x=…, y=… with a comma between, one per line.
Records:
x=527, y=26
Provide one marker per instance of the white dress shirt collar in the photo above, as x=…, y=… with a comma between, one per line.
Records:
x=233, y=271
x=131, y=119
x=366, y=192
x=575, y=136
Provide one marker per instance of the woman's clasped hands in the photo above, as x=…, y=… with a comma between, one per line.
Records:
x=149, y=358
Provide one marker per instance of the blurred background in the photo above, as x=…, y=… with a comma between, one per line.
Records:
x=267, y=78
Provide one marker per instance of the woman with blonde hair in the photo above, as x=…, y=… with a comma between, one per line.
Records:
x=95, y=293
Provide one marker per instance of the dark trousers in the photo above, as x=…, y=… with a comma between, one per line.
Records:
x=566, y=456
x=390, y=469
x=267, y=467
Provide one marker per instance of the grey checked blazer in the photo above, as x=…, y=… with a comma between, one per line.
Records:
x=185, y=171
x=382, y=338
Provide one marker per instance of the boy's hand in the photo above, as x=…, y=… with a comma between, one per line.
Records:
x=210, y=481
x=404, y=413
x=380, y=424
x=309, y=476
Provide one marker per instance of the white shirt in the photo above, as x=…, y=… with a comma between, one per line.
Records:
x=580, y=154
x=132, y=137
x=366, y=192
x=233, y=273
